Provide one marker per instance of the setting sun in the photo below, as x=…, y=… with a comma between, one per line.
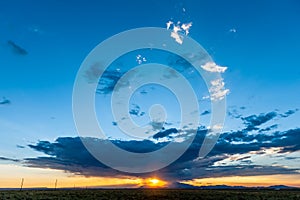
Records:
x=154, y=182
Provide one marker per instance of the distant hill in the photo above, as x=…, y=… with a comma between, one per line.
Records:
x=227, y=187
x=279, y=187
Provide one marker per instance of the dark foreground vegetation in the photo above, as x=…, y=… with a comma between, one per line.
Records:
x=128, y=194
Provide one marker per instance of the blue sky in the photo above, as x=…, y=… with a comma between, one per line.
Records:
x=42, y=45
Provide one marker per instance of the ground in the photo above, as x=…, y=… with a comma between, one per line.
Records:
x=152, y=194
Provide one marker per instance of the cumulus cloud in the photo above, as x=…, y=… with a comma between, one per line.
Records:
x=174, y=34
x=186, y=27
x=213, y=67
x=178, y=29
x=217, y=90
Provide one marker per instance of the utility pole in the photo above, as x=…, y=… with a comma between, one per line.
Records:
x=55, y=186
x=22, y=182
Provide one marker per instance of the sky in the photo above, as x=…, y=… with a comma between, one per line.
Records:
x=255, y=44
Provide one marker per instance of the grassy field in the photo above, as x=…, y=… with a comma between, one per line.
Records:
x=128, y=194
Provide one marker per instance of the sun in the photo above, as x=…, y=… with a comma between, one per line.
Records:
x=155, y=182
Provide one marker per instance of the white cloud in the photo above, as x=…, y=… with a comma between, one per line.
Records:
x=169, y=23
x=178, y=29
x=232, y=30
x=186, y=27
x=177, y=37
x=213, y=67
x=140, y=59
x=217, y=90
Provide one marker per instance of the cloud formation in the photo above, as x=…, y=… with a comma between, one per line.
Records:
x=178, y=29
x=217, y=90
x=217, y=87
x=5, y=101
x=16, y=48
x=213, y=67
x=233, y=154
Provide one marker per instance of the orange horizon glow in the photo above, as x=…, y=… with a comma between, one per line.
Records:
x=11, y=176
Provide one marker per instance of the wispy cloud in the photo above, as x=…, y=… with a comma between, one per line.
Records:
x=136, y=110
x=9, y=159
x=289, y=112
x=5, y=101
x=16, y=48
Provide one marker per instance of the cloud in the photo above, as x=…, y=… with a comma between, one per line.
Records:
x=253, y=121
x=5, y=101
x=269, y=128
x=206, y=112
x=169, y=23
x=174, y=34
x=16, y=48
x=213, y=67
x=140, y=59
x=217, y=87
x=186, y=27
x=69, y=154
x=165, y=133
x=178, y=29
x=289, y=112
x=217, y=90
x=9, y=159
x=232, y=30
x=236, y=153
x=136, y=110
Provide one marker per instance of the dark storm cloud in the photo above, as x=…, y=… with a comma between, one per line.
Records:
x=70, y=155
x=16, y=48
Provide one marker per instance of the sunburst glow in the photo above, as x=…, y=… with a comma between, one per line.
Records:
x=155, y=182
